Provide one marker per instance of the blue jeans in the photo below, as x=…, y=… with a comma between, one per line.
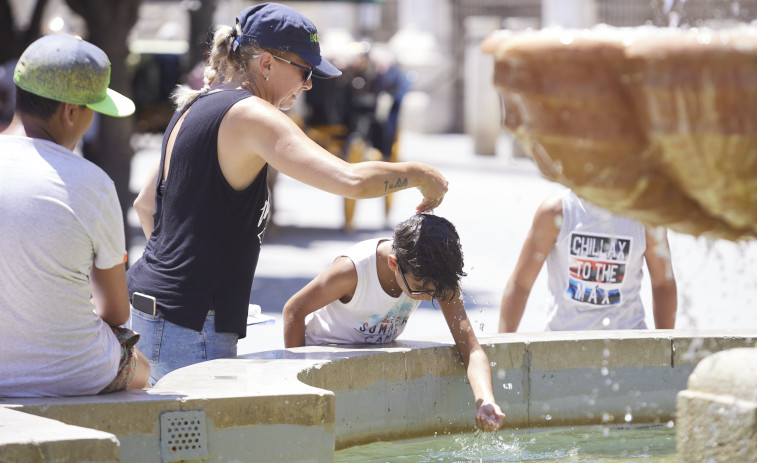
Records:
x=168, y=346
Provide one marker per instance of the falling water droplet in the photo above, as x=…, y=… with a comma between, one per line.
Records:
x=704, y=37
x=674, y=19
x=566, y=39
x=558, y=167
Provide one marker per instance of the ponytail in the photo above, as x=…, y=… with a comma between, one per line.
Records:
x=219, y=68
x=222, y=64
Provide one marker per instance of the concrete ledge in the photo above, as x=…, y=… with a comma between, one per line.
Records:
x=299, y=405
x=31, y=439
x=248, y=405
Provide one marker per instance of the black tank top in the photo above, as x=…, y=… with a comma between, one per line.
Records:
x=206, y=241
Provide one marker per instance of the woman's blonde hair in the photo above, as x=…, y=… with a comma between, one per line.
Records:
x=222, y=64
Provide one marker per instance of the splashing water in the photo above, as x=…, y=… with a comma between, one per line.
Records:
x=577, y=445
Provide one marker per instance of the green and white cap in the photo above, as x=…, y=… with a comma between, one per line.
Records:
x=71, y=70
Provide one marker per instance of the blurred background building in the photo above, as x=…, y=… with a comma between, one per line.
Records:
x=156, y=44
x=435, y=42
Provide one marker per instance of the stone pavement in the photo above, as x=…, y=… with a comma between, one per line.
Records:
x=491, y=201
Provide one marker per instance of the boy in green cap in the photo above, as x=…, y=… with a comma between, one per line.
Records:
x=61, y=234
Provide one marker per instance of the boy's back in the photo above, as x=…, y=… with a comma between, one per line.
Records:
x=58, y=211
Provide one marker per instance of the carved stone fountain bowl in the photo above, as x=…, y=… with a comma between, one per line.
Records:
x=658, y=124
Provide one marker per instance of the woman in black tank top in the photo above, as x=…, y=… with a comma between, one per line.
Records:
x=205, y=206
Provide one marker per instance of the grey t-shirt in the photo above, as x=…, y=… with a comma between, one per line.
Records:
x=59, y=215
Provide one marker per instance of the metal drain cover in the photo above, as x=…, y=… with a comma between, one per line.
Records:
x=183, y=435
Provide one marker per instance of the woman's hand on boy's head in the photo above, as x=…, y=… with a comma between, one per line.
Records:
x=429, y=204
x=489, y=417
x=426, y=206
x=433, y=190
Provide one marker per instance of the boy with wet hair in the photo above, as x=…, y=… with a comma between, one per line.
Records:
x=428, y=247
x=368, y=293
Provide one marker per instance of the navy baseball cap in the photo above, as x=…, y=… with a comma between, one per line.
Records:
x=276, y=26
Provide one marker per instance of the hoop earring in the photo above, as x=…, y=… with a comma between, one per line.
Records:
x=266, y=78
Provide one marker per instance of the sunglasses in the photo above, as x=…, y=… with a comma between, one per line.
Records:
x=412, y=291
x=307, y=72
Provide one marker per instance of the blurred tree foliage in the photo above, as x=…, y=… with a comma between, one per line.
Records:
x=14, y=41
x=200, y=31
x=108, y=26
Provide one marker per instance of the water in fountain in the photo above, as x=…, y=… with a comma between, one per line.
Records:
x=577, y=445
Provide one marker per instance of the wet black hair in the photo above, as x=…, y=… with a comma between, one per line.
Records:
x=428, y=248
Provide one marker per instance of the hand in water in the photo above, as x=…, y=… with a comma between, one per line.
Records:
x=489, y=417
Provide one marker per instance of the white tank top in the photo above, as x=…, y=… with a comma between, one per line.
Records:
x=595, y=270
x=371, y=317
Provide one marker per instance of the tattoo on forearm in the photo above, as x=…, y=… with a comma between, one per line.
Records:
x=399, y=183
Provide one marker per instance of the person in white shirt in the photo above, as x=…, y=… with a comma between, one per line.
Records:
x=63, y=292
x=595, y=269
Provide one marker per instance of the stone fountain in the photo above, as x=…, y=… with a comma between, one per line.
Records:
x=658, y=124
x=652, y=123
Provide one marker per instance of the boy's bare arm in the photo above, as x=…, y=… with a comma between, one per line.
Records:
x=338, y=281
x=664, y=288
x=110, y=294
x=144, y=205
x=489, y=416
x=540, y=240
